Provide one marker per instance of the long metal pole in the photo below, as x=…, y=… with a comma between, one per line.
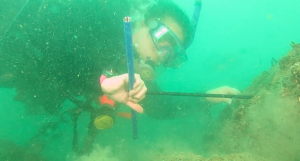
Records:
x=130, y=67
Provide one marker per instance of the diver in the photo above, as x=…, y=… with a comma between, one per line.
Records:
x=71, y=52
x=160, y=39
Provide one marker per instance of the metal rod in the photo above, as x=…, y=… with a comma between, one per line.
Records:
x=130, y=67
x=201, y=95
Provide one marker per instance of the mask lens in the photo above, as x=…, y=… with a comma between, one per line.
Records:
x=165, y=38
x=171, y=51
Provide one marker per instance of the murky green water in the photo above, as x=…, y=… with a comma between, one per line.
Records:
x=53, y=51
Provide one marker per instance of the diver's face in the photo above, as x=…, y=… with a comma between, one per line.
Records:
x=143, y=42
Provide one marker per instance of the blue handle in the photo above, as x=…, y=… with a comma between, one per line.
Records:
x=130, y=67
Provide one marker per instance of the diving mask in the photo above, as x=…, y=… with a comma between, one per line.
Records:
x=170, y=49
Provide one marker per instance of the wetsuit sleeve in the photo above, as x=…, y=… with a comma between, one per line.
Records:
x=169, y=107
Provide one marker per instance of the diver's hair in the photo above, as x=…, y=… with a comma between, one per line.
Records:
x=165, y=8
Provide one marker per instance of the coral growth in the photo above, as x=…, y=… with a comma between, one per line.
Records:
x=295, y=73
x=268, y=124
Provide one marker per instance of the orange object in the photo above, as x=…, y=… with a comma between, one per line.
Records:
x=124, y=115
x=105, y=100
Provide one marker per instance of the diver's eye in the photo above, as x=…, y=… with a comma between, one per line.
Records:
x=167, y=40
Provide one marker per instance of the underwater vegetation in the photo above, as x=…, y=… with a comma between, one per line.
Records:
x=268, y=124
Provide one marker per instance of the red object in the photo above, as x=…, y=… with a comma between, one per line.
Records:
x=105, y=100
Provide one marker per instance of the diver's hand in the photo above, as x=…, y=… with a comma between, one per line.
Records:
x=222, y=90
x=117, y=88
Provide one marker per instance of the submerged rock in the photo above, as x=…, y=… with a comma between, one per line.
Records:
x=268, y=124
